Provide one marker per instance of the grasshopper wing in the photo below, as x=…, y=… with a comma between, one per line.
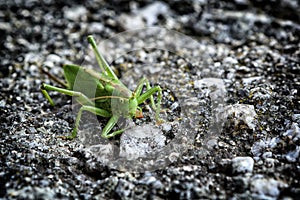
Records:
x=80, y=81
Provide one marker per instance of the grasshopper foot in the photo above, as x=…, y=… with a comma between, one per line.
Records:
x=160, y=121
x=69, y=137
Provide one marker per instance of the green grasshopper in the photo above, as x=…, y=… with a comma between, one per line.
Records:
x=110, y=99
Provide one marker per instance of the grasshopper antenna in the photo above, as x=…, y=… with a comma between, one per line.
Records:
x=60, y=82
x=104, y=97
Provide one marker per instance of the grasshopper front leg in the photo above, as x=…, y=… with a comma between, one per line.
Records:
x=92, y=109
x=149, y=95
x=110, y=124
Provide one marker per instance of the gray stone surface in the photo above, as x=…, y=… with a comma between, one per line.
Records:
x=253, y=46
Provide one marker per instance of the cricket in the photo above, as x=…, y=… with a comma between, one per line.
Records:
x=110, y=98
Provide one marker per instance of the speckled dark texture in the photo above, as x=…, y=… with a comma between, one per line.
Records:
x=253, y=46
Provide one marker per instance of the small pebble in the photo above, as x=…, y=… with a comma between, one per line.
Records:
x=242, y=165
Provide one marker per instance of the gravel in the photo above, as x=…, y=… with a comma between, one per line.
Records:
x=230, y=78
x=141, y=141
